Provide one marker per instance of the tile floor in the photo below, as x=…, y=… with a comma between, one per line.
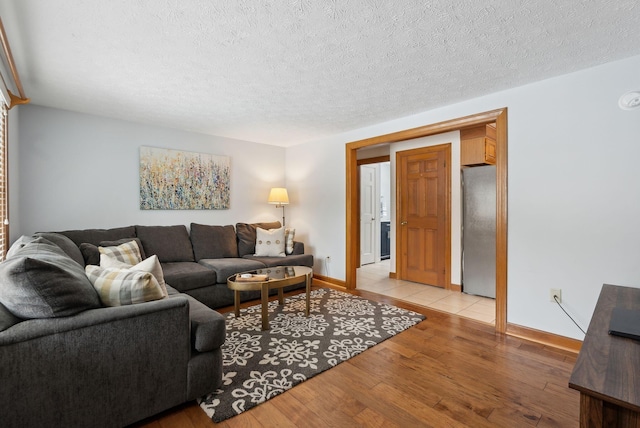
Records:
x=375, y=278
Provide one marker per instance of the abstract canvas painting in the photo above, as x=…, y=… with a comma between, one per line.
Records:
x=179, y=180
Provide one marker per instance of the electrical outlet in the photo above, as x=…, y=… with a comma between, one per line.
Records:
x=555, y=292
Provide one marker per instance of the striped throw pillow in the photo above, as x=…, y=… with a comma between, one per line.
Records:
x=119, y=287
x=150, y=264
x=289, y=234
x=129, y=252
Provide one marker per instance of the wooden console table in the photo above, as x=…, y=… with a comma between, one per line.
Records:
x=607, y=371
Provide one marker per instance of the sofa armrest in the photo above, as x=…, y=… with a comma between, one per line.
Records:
x=208, y=327
x=132, y=360
x=298, y=247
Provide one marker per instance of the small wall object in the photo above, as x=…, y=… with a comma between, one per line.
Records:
x=179, y=180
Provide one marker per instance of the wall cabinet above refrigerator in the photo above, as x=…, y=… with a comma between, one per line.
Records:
x=478, y=145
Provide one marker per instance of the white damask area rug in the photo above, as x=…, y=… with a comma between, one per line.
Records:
x=258, y=365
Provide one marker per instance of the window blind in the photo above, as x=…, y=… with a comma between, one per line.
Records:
x=4, y=190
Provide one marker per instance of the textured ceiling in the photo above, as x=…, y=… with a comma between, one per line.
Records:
x=291, y=71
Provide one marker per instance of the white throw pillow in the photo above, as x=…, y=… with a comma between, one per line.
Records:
x=118, y=287
x=270, y=243
x=150, y=264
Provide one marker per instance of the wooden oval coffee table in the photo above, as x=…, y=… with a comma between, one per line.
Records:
x=269, y=279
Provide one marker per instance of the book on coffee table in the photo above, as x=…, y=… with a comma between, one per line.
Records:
x=252, y=278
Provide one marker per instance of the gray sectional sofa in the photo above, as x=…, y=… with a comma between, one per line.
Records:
x=72, y=362
x=196, y=262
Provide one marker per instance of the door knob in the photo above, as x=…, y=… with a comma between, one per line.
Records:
x=403, y=223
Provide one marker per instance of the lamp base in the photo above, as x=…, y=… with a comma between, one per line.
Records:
x=281, y=206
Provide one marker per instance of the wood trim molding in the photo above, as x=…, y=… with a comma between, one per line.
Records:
x=321, y=281
x=352, y=225
x=377, y=159
x=6, y=49
x=352, y=228
x=501, y=221
x=432, y=129
x=545, y=338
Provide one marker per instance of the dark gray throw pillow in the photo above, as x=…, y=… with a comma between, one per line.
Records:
x=41, y=281
x=213, y=242
x=65, y=243
x=247, y=236
x=7, y=319
x=90, y=254
x=18, y=244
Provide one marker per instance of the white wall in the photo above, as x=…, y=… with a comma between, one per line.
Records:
x=80, y=171
x=573, y=190
x=316, y=184
x=574, y=193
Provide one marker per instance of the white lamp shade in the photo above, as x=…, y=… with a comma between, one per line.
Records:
x=279, y=196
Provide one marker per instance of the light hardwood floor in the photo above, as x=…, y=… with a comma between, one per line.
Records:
x=448, y=371
x=375, y=278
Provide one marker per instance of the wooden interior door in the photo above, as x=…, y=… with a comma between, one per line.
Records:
x=424, y=215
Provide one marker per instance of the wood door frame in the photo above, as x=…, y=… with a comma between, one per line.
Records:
x=446, y=147
x=352, y=240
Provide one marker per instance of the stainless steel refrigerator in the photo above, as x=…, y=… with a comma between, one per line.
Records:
x=479, y=230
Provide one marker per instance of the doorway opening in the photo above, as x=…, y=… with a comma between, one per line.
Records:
x=375, y=205
x=352, y=196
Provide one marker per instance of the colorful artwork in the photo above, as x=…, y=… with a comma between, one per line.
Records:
x=177, y=180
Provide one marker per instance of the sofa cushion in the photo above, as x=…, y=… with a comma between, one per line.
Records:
x=66, y=244
x=224, y=268
x=128, y=252
x=186, y=276
x=119, y=287
x=169, y=243
x=270, y=243
x=246, y=234
x=40, y=281
x=292, y=260
x=151, y=265
x=96, y=236
x=213, y=242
